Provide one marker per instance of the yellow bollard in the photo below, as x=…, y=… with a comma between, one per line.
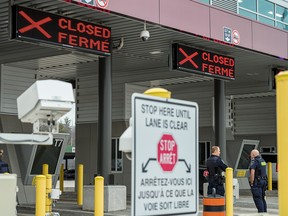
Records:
x=45, y=169
x=229, y=191
x=158, y=92
x=61, y=178
x=40, y=182
x=282, y=139
x=80, y=185
x=48, y=192
x=99, y=196
x=269, y=176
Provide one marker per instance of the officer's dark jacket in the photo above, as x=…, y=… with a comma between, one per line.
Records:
x=3, y=167
x=259, y=165
x=215, y=165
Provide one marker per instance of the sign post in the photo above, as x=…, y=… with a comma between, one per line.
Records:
x=164, y=156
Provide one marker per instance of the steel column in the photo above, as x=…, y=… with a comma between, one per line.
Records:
x=220, y=116
x=105, y=118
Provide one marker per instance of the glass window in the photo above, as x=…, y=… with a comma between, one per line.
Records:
x=205, y=1
x=204, y=152
x=281, y=26
x=266, y=20
x=281, y=14
x=113, y=155
x=116, y=156
x=47, y=154
x=266, y=8
x=248, y=4
x=247, y=14
x=244, y=160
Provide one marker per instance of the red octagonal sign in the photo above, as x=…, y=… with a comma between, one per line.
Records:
x=167, y=152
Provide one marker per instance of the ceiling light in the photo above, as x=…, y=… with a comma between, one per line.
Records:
x=270, y=12
x=156, y=52
x=240, y=1
x=253, y=74
x=278, y=15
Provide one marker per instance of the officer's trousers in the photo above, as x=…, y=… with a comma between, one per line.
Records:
x=258, y=192
x=218, y=187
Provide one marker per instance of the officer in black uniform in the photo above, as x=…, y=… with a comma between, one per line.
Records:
x=258, y=180
x=3, y=165
x=216, y=166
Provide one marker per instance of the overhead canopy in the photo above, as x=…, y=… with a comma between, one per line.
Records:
x=153, y=54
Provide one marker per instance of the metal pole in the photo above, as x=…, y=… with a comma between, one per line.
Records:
x=48, y=192
x=80, y=184
x=282, y=139
x=105, y=118
x=229, y=191
x=99, y=196
x=45, y=169
x=220, y=116
x=40, y=182
x=269, y=176
x=62, y=178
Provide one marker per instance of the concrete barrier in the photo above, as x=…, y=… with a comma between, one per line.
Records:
x=8, y=188
x=114, y=198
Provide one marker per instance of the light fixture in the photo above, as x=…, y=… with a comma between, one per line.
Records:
x=253, y=74
x=156, y=52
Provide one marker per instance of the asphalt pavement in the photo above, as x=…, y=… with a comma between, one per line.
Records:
x=67, y=206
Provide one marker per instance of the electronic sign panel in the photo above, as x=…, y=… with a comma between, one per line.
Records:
x=202, y=62
x=34, y=25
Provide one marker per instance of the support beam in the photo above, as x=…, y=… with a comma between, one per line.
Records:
x=220, y=116
x=26, y=139
x=105, y=118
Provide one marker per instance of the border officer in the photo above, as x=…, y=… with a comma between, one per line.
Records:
x=216, y=166
x=258, y=180
x=3, y=165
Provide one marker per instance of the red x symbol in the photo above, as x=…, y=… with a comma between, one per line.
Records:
x=188, y=58
x=35, y=24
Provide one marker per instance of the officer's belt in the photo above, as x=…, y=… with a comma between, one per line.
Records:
x=261, y=178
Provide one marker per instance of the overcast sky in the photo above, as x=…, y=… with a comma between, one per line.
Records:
x=70, y=115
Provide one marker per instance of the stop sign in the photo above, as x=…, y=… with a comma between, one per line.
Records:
x=167, y=152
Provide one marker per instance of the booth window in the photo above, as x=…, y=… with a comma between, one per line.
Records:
x=117, y=157
x=47, y=154
x=204, y=151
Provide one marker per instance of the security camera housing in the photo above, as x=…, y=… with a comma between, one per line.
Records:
x=144, y=35
x=44, y=99
x=125, y=142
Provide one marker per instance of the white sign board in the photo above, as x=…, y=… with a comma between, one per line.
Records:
x=164, y=156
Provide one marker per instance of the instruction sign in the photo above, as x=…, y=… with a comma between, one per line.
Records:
x=164, y=156
x=167, y=153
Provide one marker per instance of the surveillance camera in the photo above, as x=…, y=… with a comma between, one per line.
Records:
x=144, y=35
x=38, y=103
